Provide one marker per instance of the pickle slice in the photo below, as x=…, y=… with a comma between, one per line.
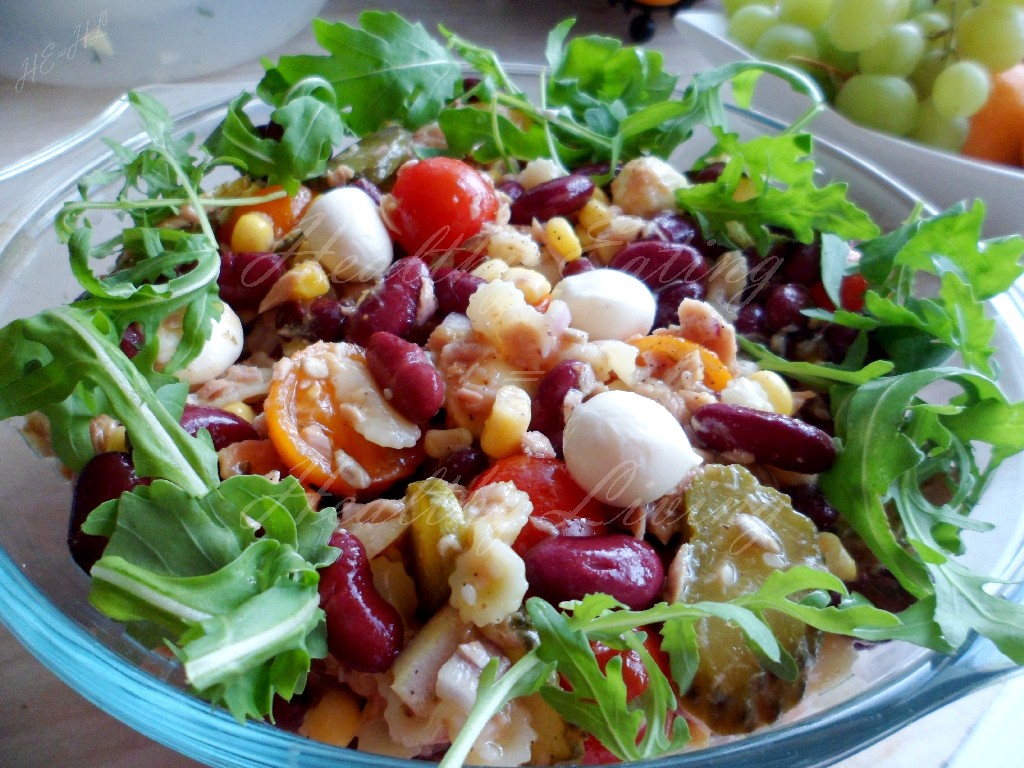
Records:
x=740, y=532
x=437, y=526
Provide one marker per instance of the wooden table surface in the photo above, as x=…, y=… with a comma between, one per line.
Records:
x=45, y=723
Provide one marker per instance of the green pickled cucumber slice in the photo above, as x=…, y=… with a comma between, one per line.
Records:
x=437, y=527
x=740, y=532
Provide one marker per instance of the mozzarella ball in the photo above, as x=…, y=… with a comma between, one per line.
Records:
x=219, y=352
x=343, y=230
x=607, y=304
x=626, y=449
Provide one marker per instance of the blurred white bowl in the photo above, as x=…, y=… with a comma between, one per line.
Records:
x=940, y=177
x=124, y=43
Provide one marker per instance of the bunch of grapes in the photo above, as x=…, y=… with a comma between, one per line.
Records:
x=916, y=68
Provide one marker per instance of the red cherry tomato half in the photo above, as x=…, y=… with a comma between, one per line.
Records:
x=560, y=506
x=851, y=292
x=439, y=203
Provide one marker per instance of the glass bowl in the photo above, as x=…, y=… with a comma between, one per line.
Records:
x=43, y=594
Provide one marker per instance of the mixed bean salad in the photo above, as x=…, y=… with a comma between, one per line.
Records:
x=461, y=427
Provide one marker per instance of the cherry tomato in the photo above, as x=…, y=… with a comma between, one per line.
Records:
x=308, y=426
x=284, y=212
x=851, y=294
x=439, y=203
x=560, y=506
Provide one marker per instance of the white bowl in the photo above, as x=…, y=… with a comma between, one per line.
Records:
x=940, y=177
x=125, y=43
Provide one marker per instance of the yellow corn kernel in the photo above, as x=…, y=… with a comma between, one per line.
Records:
x=600, y=196
x=595, y=217
x=561, y=239
x=775, y=388
x=507, y=424
x=532, y=283
x=253, y=232
x=117, y=439
x=334, y=719
x=838, y=561
x=745, y=190
x=242, y=410
x=311, y=280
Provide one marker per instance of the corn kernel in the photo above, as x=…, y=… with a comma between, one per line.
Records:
x=533, y=284
x=242, y=410
x=745, y=190
x=838, y=561
x=334, y=719
x=561, y=239
x=595, y=216
x=117, y=439
x=253, y=232
x=778, y=392
x=507, y=424
x=311, y=280
x=600, y=196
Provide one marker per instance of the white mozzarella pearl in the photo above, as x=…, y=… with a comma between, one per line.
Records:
x=607, y=304
x=343, y=230
x=626, y=449
x=219, y=352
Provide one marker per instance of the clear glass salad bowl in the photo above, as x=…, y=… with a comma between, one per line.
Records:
x=43, y=594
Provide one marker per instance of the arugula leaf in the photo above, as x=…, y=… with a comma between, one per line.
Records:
x=893, y=440
x=816, y=375
x=780, y=172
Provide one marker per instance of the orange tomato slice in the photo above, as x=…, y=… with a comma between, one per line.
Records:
x=311, y=428
x=716, y=375
x=284, y=212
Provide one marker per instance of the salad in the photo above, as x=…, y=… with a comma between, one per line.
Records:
x=427, y=419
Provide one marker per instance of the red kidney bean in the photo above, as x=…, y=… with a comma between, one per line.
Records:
x=802, y=263
x=453, y=288
x=224, y=427
x=132, y=340
x=673, y=228
x=838, y=340
x=319, y=319
x=563, y=196
x=781, y=441
x=671, y=296
x=658, y=263
x=394, y=305
x=708, y=174
x=576, y=266
x=750, y=321
x=809, y=501
x=364, y=630
x=783, y=308
x=512, y=188
x=462, y=466
x=568, y=567
x=406, y=376
x=548, y=413
x=245, y=278
x=104, y=477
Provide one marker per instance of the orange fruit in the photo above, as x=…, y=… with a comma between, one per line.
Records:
x=997, y=130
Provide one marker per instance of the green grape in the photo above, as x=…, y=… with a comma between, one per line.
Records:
x=731, y=6
x=901, y=9
x=992, y=34
x=937, y=130
x=919, y=6
x=933, y=24
x=961, y=89
x=897, y=53
x=841, y=61
x=854, y=25
x=786, y=41
x=750, y=22
x=804, y=13
x=923, y=76
x=885, y=102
